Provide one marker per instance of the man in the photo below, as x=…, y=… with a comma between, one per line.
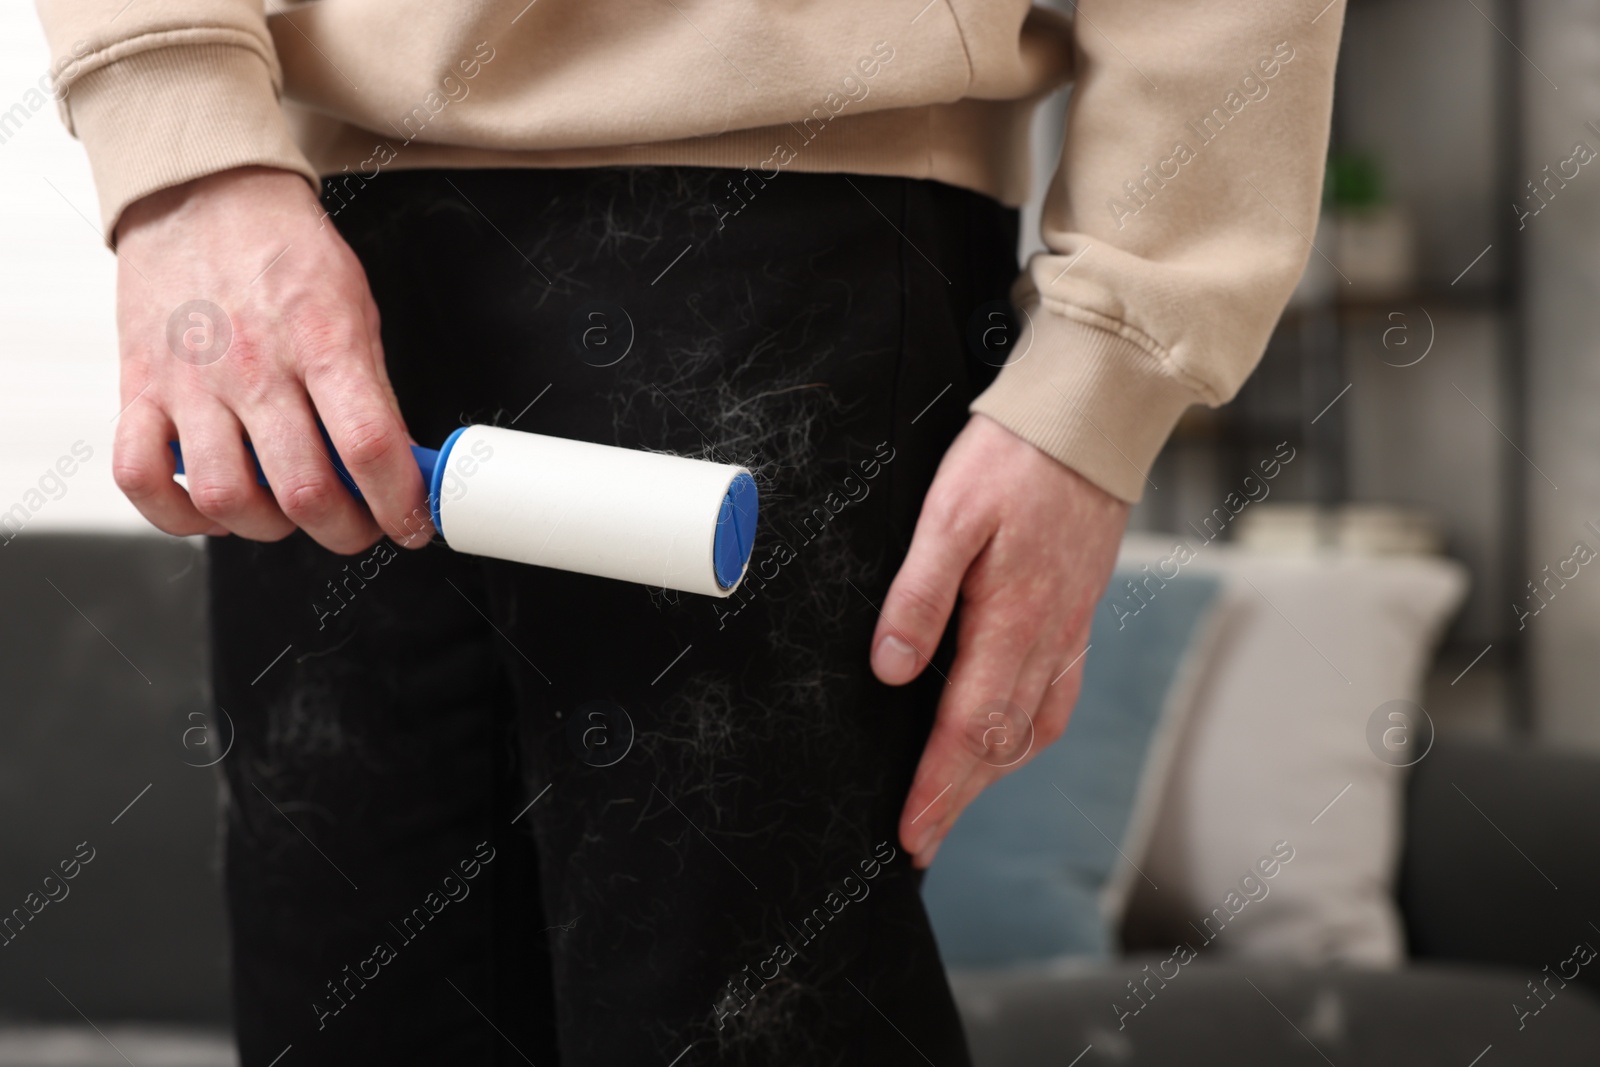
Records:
x=480, y=812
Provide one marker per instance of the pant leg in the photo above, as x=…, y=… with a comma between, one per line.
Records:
x=718, y=782
x=383, y=907
x=370, y=857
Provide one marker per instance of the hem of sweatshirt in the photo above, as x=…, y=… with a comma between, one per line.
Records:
x=979, y=145
x=159, y=118
x=1096, y=395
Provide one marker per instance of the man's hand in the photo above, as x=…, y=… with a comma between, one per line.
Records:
x=280, y=330
x=1029, y=545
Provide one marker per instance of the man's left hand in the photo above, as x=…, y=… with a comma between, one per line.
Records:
x=1028, y=544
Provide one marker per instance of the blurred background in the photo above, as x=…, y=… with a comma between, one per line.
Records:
x=1436, y=383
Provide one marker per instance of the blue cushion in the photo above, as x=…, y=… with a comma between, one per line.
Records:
x=1022, y=875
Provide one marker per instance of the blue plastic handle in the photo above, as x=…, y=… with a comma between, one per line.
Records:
x=427, y=459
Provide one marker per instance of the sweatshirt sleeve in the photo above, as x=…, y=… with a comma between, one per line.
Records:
x=164, y=91
x=1175, y=228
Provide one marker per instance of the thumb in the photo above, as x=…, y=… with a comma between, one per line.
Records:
x=923, y=594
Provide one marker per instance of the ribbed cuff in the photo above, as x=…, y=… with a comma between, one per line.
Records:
x=163, y=117
x=1100, y=402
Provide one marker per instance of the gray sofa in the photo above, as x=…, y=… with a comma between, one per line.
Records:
x=104, y=695
x=1483, y=921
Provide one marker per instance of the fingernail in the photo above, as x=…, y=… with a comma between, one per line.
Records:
x=896, y=660
x=925, y=859
x=922, y=839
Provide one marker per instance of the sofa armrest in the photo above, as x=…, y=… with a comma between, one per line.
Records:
x=1501, y=863
x=1253, y=1013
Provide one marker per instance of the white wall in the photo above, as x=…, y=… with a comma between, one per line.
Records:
x=58, y=351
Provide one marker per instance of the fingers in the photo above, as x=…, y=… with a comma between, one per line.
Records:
x=222, y=476
x=142, y=465
x=353, y=397
x=1038, y=724
x=976, y=740
x=1037, y=543
x=300, y=470
x=1055, y=706
x=960, y=757
x=1046, y=689
x=924, y=591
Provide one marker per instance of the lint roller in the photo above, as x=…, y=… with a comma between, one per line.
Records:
x=670, y=522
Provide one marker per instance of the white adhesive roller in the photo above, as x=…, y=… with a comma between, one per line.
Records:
x=665, y=521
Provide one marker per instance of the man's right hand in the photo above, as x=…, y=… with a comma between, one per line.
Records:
x=280, y=330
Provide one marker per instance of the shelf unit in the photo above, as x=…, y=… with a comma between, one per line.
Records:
x=1291, y=396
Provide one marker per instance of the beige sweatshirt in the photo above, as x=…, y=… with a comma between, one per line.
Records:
x=1176, y=225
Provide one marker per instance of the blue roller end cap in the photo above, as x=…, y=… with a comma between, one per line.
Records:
x=736, y=530
x=436, y=476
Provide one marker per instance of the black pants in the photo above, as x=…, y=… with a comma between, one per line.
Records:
x=486, y=813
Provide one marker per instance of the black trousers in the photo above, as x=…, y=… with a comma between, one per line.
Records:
x=481, y=813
